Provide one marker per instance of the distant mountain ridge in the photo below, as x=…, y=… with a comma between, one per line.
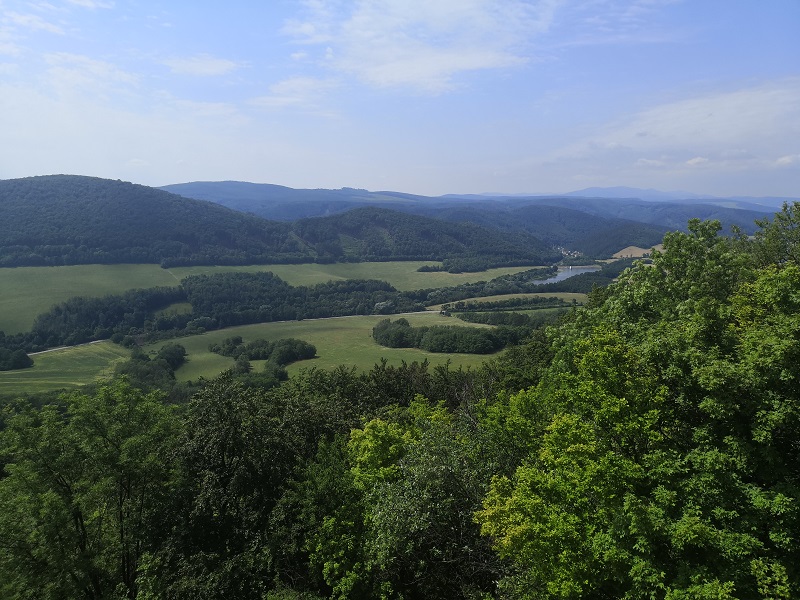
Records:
x=617, y=217
x=67, y=219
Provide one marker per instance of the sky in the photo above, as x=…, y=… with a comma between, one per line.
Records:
x=420, y=96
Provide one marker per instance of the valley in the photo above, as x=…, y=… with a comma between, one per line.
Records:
x=574, y=420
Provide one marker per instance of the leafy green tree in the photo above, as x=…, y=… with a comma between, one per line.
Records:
x=83, y=484
x=660, y=462
x=778, y=241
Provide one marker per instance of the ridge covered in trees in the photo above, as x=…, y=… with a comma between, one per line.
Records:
x=644, y=447
x=64, y=220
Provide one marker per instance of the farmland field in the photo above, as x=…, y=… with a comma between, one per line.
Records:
x=64, y=368
x=26, y=292
x=339, y=341
x=402, y=275
x=565, y=296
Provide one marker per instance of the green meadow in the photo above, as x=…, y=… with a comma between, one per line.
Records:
x=64, y=368
x=401, y=274
x=565, y=296
x=339, y=341
x=26, y=292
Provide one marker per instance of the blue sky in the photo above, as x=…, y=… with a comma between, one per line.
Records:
x=421, y=96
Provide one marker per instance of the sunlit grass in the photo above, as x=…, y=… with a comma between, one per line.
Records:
x=64, y=368
x=26, y=292
x=339, y=341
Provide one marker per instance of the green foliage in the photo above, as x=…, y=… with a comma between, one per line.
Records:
x=13, y=359
x=661, y=464
x=645, y=446
x=63, y=219
x=280, y=352
x=778, y=241
x=446, y=338
x=83, y=483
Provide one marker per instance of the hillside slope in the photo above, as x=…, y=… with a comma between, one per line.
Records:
x=596, y=226
x=64, y=219
x=377, y=234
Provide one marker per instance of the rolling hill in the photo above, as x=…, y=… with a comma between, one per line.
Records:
x=65, y=219
x=594, y=221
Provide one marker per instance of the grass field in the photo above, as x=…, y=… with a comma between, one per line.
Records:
x=64, y=368
x=402, y=275
x=26, y=292
x=339, y=341
x=565, y=296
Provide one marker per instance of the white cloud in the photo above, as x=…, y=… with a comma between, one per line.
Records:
x=9, y=49
x=650, y=162
x=202, y=65
x=302, y=92
x=33, y=22
x=764, y=119
x=75, y=72
x=91, y=3
x=789, y=159
x=422, y=44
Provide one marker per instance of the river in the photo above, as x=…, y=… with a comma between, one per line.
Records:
x=567, y=272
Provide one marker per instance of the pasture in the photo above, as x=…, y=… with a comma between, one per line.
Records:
x=339, y=341
x=402, y=275
x=64, y=368
x=565, y=296
x=26, y=292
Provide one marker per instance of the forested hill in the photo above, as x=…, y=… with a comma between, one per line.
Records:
x=594, y=226
x=65, y=219
x=281, y=203
x=380, y=234
x=590, y=234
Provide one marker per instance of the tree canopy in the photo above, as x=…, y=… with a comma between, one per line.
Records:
x=645, y=446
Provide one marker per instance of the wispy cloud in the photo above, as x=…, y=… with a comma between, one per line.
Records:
x=92, y=3
x=757, y=124
x=421, y=44
x=297, y=92
x=32, y=22
x=201, y=65
x=85, y=75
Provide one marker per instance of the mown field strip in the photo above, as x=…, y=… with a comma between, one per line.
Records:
x=402, y=275
x=64, y=368
x=26, y=292
x=339, y=341
x=565, y=296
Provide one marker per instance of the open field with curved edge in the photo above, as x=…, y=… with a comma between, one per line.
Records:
x=339, y=341
x=565, y=296
x=26, y=292
x=64, y=368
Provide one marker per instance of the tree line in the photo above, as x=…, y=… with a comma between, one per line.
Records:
x=447, y=338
